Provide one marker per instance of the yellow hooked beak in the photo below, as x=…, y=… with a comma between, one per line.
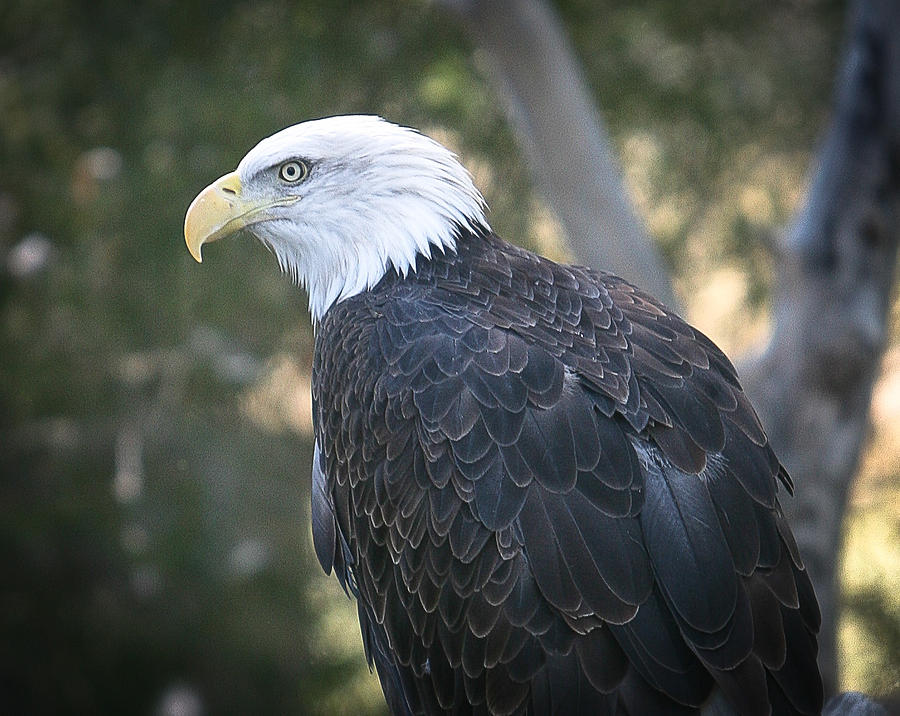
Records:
x=222, y=209
x=218, y=211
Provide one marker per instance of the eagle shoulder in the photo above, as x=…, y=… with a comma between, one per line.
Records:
x=518, y=453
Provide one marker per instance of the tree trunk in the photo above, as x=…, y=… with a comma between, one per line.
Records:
x=531, y=60
x=812, y=384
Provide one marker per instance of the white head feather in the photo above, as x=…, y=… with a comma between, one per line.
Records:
x=376, y=196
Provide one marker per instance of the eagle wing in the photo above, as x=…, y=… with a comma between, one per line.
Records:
x=550, y=494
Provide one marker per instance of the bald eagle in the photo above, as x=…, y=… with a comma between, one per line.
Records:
x=547, y=492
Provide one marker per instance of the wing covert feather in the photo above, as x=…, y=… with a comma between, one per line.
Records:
x=549, y=492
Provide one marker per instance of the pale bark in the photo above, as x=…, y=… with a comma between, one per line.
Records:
x=812, y=385
x=528, y=55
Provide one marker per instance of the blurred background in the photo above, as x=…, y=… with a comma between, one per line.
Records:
x=155, y=430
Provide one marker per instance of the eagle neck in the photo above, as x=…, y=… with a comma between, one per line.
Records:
x=328, y=290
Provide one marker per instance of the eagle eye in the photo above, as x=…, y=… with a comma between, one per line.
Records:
x=293, y=171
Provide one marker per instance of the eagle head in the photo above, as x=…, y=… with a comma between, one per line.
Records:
x=340, y=201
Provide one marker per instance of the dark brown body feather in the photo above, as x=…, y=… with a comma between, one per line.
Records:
x=550, y=495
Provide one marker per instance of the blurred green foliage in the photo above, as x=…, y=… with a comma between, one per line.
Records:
x=155, y=530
